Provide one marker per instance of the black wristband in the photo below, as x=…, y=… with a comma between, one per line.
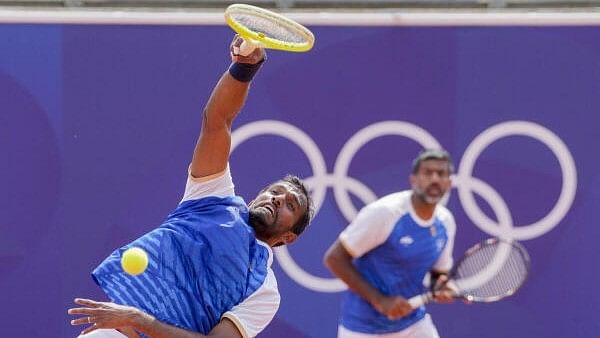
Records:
x=244, y=72
x=435, y=275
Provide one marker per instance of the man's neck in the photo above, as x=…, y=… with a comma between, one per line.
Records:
x=423, y=209
x=272, y=242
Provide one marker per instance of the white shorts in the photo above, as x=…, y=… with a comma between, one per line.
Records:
x=424, y=328
x=104, y=333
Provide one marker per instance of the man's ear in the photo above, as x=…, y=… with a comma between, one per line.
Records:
x=289, y=237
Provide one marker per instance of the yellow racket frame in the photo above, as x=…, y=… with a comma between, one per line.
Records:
x=259, y=39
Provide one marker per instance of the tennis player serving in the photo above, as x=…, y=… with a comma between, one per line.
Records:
x=209, y=271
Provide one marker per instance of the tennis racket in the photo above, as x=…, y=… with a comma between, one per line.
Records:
x=263, y=28
x=489, y=271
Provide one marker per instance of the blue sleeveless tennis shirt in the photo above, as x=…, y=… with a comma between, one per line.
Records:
x=203, y=260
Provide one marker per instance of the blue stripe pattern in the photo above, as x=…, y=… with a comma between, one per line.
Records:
x=203, y=260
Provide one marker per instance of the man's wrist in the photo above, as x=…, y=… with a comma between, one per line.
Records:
x=244, y=72
x=375, y=299
x=142, y=321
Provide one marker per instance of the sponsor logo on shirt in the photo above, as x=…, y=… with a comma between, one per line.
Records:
x=406, y=240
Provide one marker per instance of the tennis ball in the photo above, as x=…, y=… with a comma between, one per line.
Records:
x=134, y=261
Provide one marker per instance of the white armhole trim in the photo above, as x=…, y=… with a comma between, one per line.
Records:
x=219, y=184
x=254, y=314
x=373, y=225
x=445, y=262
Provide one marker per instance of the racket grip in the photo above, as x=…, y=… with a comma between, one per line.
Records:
x=247, y=47
x=419, y=300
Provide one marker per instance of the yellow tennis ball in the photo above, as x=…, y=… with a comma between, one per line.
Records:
x=134, y=261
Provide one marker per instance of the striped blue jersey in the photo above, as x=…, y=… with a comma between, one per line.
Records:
x=204, y=264
x=394, y=250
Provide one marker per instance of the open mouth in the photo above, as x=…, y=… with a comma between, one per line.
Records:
x=434, y=191
x=270, y=209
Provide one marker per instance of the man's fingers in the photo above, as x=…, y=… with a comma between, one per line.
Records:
x=444, y=296
x=234, y=48
x=81, y=311
x=89, y=329
x=81, y=321
x=237, y=40
x=86, y=302
x=444, y=293
x=441, y=282
x=256, y=56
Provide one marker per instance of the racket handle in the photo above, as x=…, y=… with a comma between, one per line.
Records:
x=247, y=47
x=420, y=300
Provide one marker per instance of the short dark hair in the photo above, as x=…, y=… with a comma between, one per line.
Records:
x=432, y=154
x=303, y=222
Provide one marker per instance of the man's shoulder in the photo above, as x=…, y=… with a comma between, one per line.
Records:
x=398, y=202
x=206, y=212
x=214, y=202
x=446, y=218
x=443, y=213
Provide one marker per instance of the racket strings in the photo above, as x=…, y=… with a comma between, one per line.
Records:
x=273, y=30
x=501, y=268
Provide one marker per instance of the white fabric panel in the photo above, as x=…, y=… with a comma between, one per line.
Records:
x=254, y=314
x=220, y=185
x=446, y=261
x=424, y=328
x=374, y=223
x=103, y=333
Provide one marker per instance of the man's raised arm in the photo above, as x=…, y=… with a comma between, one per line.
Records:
x=227, y=99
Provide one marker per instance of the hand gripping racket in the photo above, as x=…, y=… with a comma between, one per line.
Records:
x=489, y=271
x=263, y=28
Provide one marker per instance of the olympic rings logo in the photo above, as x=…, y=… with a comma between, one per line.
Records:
x=463, y=181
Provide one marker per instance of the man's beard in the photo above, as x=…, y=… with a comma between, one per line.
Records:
x=262, y=228
x=425, y=197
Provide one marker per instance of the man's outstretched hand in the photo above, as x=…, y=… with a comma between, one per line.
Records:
x=104, y=315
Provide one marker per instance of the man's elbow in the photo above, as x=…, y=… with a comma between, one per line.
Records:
x=328, y=260
x=333, y=257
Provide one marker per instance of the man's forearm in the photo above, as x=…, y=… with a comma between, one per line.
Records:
x=229, y=95
x=154, y=328
x=356, y=282
x=340, y=263
x=227, y=99
x=212, y=149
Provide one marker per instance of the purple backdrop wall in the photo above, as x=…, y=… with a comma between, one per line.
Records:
x=97, y=125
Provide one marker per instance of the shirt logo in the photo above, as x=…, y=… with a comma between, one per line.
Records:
x=406, y=240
